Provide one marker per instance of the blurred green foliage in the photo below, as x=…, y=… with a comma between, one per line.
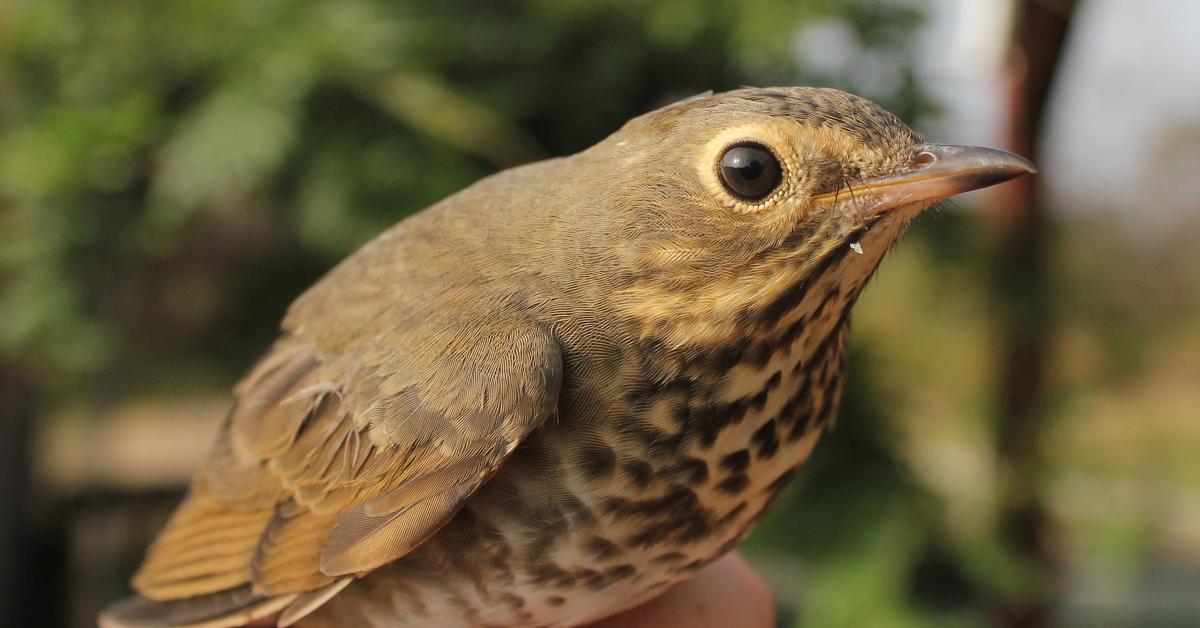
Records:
x=172, y=173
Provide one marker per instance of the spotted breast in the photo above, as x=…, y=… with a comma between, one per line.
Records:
x=638, y=484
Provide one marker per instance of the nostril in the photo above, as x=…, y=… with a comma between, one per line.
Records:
x=924, y=159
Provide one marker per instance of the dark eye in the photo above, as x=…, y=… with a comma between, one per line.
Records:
x=749, y=171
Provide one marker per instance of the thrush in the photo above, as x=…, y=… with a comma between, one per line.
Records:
x=554, y=394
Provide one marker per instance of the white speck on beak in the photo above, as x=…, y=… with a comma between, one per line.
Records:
x=856, y=247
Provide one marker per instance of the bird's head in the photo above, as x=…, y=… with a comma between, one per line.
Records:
x=728, y=209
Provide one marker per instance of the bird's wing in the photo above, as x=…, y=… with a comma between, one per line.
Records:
x=352, y=441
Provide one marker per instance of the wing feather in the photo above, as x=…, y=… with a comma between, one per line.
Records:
x=311, y=480
x=396, y=390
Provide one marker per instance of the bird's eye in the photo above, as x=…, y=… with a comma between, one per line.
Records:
x=749, y=171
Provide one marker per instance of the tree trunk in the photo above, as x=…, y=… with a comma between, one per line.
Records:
x=1021, y=296
x=17, y=409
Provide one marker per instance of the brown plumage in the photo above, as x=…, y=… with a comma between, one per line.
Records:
x=561, y=390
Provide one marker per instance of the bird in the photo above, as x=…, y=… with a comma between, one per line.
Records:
x=558, y=392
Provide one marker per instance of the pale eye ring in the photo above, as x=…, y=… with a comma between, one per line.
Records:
x=749, y=171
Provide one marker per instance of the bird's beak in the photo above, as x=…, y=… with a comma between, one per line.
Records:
x=939, y=171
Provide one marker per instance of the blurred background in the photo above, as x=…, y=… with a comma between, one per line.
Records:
x=1020, y=442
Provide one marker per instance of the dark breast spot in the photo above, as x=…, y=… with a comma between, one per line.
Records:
x=678, y=517
x=677, y=500
x=590, y=578
x=596, y=460
x=639, y=472
x=734, y=484
x=601, y=548
x=619, y=572
x=798, y=406
x=793, y=332
x=711, y=420
x=765, y=440
x=736, y=462
x=550, y=574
